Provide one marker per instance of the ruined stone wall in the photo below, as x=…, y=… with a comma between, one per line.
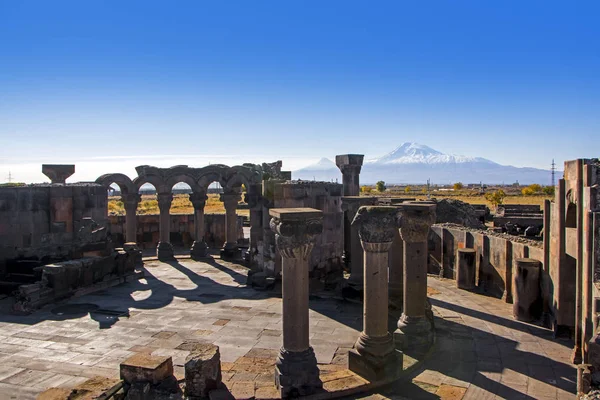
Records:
x=42, y=221
x=496, y=255
x=182, y=228
x=326, y=256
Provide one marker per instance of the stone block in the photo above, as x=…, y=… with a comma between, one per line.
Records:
x=146, y=368
x=202, y=370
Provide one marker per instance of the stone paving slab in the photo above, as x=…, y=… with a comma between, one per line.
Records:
x=483, y=353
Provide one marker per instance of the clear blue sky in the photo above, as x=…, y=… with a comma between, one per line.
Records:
x=516, y=82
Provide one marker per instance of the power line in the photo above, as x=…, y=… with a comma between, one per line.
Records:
x=553, y=172
x=9, y=177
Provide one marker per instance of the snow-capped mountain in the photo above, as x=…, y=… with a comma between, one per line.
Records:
x=410, y=153
x=415, y=163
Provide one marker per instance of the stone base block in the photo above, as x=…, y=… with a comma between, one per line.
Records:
x=164, y=251
x=146, y=368
x=202, y=370
x=198, y=250
x=296, y=373
x=134, y=251
x=413, y=334
x=372, y=369
x=231, y=253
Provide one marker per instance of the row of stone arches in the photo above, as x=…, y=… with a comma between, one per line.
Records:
x=231, y=180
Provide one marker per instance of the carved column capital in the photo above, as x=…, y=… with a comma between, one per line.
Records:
x=230, y=200
x=349, y=163
x=350, y=169
x=351, y=204
x=416, y=219
x=296, y=230
x=198, y=200
x=164, y=200
x=131, y=199
x=376, y=227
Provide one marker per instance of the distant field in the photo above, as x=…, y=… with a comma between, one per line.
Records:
x=181, y=205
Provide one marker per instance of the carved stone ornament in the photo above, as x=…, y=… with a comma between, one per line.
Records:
x=295, y=239
x=198, y=200
x=416, y=219
x=376, y=224
x=164, y=200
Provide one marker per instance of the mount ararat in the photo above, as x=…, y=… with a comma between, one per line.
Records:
x=413, y=163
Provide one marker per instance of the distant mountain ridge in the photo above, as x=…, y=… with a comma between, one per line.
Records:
x=413, y=163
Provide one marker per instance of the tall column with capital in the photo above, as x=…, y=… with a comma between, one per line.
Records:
x=414, y=330
x=350, y=165
x=164, y=250
x=199, y=247
x=354, y=252
x=230, y=201
x=374, y=355
x=296, y=371
x=131, y=201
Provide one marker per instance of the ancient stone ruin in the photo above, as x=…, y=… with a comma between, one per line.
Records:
x=321, y=292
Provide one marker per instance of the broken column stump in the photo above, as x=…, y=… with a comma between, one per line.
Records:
x=526, y=296
x=465, y=271
x=146, y=368
x=202, y=370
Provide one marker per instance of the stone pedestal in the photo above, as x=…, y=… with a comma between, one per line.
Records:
x=296, y=371
x=526, y=297
x=199, y=247
x=131, y=201
x=134, y=252
x=230, y=249
x=374, y=356
x=414, y=333
x=354, y=252
x=465, y=268
x=164, y=250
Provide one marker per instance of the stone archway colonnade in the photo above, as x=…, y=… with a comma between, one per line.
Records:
x=163, y=179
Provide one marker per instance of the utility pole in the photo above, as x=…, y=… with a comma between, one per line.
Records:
x=553, y=172
x=9, y=177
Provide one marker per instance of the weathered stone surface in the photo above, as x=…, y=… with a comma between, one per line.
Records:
x=202, y=370
x=296, y=373
x=58, y=173
x=350, y=165
x=526, y=297
x=377, y=224
x=146, y=368
x=465, y=270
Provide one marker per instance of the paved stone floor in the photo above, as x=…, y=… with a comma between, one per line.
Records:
x=482, y=353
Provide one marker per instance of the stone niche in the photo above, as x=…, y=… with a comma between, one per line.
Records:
x=326, y=256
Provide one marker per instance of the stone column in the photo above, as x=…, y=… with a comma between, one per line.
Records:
x=230, y=201
x=414, y=330
x=350, y=165
x=199, y=247
x=164, y=250
x=131, y=201
x=526, y=298
x=374, y=356
x=296, y=371
x=465, y=268
x=354, y=252
x=396, y=269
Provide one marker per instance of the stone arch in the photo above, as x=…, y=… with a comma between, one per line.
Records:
x=212, y=173
x=238, y=176
x=123, y=181
x=154, y=180
x=185, y=178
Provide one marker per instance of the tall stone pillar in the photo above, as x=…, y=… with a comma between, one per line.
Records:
x=199, y=247
x=296, y=371
x=354, y=252
x=396, y=269
x=350, y=165
x=414, y=330
x=230, y=201
x=164, y=250
x=131, y=201
x=374, y=355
